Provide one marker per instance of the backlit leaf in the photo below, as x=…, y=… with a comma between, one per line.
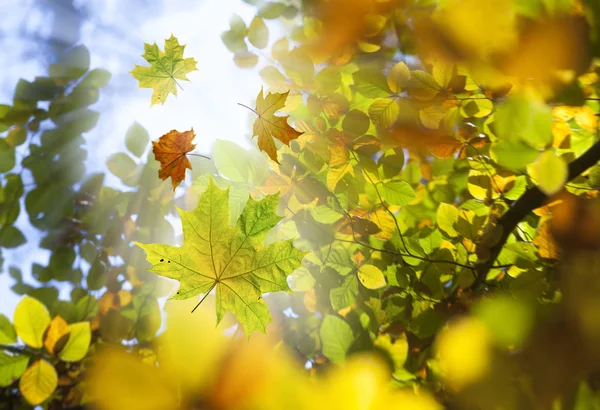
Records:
x=7, y=331
x=371, y=277
x=268, y=126
x=232, y=260
x=56, y=335
x=38, y=382
x=77, y=346
x=166, y=69
x=170, y=151
x=550, y=172
x=336, y=337
x=31, y=321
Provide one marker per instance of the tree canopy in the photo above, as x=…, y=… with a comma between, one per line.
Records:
x=418, y=228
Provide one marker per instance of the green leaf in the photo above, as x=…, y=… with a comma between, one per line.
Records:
x=7, y=156
x=549, y=172
x=398, y=193
x=11, y=237
x=234, y=38
x=301, y=280
x=344, y=295
x=271, y=10
x=11, y=368
x=16, y=136
x=121, y=165
x=232, y=260
x=514, y=154
x=7, y=331
x=447, y=216
x=258, y=33
x=239, y=164
x=80, y=336
x=371, y=277
x=136, y=139
x=371, y=83
x=356, y=123
x=526, y=120
x=336, y=338
x=166, y=69
x=72, y=65
x=31, y=320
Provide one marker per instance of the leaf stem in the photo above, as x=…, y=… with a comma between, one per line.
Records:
x=245, y=106
x=205, y=295
x=198, y=155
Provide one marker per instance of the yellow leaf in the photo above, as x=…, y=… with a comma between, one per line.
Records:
x=478, y=28
x=78, y=344
x=268, y=126
x=58, y=330
x=31, y=320
x=371, y=277
x=464, y=351
x=398, y=77
x=119, y=381
x=546, y=246
x=397, y=349
x=549, y=172
x=586, y=118
x=335, y=175
x=38, y=382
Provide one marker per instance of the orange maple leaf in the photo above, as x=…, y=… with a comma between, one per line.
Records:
x=268, y=126
x=170, y=150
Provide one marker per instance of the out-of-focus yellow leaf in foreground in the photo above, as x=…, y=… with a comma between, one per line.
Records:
x=198, y=367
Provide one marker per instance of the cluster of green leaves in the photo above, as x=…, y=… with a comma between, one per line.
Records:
x=84, y=225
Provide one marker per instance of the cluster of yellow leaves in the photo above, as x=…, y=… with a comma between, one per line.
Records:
x=494, y=40
x=199, y=367
x=54, y=339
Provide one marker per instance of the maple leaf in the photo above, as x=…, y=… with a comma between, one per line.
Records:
x=170, y=150
x=231, y=259
x=267, y=126
x=165, y=69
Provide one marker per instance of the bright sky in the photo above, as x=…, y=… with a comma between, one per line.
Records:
x=115, y=35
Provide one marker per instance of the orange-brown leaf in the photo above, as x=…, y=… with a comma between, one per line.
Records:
x=422, y=140
x=56, y=335
x=170, y=151
x=268, y=126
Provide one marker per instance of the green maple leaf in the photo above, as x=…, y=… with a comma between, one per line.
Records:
x=165, y=69
x=231, y=259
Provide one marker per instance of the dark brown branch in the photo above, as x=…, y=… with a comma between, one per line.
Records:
x=532, y=198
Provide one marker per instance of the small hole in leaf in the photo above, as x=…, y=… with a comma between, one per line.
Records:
x=169, y=262
x=162, y=260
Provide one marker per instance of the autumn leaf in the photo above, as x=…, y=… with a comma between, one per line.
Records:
x=170, y=151
x=165, y=69
x=268, y=126
x=232, y=260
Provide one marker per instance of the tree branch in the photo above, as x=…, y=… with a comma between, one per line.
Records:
x=532, y=198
